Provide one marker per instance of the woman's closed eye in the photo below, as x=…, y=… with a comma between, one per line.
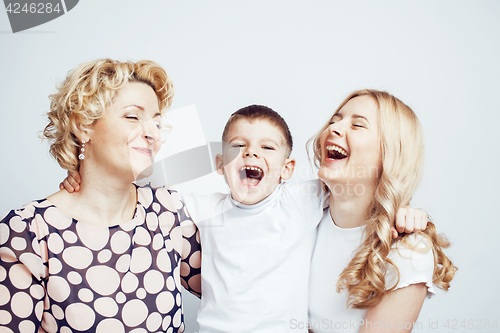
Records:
x=132, y=116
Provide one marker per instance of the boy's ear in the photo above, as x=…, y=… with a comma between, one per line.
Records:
x=288, y=169
x=219, y=163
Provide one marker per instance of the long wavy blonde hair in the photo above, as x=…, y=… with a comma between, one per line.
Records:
x=402, y=152
x=84, y=94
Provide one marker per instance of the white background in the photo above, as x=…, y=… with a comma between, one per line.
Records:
x=301, y=58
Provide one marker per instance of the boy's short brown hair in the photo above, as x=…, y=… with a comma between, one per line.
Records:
x=253, y=112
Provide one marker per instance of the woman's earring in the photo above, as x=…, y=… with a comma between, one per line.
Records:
x=82, y=155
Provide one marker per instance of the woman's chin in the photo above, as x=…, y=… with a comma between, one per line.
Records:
x=143, y=172
x=328, y=174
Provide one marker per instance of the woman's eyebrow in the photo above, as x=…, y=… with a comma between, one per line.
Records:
x=135, y=106
x=360, y=116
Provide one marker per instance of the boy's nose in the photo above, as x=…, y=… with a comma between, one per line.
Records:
x=251, y=153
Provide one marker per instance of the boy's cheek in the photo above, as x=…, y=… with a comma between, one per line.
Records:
x=230, y=155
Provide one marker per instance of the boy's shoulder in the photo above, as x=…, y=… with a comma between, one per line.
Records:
x=201, y=205
x=309, y=190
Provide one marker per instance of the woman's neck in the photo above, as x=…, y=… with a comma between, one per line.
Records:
x=103, y=200
x=350, y=210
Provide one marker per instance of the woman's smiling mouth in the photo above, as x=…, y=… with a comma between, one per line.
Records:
x=145, y=151
x=335, y=152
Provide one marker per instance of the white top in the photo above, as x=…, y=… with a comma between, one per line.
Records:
x=256, y=258
x=333, y=251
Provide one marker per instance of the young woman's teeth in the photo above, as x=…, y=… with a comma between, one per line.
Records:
x=332, y=149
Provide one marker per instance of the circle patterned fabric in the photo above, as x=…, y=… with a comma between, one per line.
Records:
x=66, y=276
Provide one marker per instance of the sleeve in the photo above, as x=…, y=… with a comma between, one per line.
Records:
x=191, y=253
x=415, y=262
x=23, y=272
x=311, y=198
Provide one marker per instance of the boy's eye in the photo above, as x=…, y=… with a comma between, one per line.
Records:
x=268, y=148
x=238, y=145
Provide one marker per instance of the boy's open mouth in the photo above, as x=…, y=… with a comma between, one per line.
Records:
x=251, y=175
x=336, y=152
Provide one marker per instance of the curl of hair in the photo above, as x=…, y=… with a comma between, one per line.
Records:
x=84, y=94
x=402, y=150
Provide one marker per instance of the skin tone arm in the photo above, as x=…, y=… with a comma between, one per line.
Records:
x=396, y=311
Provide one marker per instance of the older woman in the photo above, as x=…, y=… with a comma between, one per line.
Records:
x=107, y=259
x=370, y=156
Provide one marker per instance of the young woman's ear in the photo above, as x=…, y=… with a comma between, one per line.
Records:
x=288, y=169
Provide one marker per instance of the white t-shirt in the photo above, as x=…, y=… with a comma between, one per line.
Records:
x=256, y=258
x=333, y=251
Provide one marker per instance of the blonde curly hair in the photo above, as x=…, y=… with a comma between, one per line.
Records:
x=402, y=150
x=85, y=93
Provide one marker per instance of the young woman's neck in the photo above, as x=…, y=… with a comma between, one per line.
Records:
x=350, y=210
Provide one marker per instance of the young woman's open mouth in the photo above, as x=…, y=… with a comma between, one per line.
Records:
x=335, y=152
x=250, y=175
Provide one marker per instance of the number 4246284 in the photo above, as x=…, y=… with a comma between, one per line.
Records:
x=471, y=324
x=33, y=8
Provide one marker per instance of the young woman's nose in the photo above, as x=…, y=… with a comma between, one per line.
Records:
x=337, y=129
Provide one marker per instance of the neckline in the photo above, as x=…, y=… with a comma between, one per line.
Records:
x=341, y=229
x=257, y=205
x=73, y=220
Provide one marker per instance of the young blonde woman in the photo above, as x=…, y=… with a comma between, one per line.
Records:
x=370, y=158
x=108, y=258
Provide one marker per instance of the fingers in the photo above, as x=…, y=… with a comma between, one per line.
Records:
x=421, y=219
x=410, y=220
x=401, y=219
x=73, y=180
x=67, y=186
x=394, y=232
x=75, y=175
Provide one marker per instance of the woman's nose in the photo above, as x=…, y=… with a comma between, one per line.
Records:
x=337, y=129
x=150, y=132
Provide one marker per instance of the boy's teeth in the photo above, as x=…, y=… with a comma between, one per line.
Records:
x=337, y=149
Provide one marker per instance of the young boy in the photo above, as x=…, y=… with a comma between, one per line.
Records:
x=257, y=241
